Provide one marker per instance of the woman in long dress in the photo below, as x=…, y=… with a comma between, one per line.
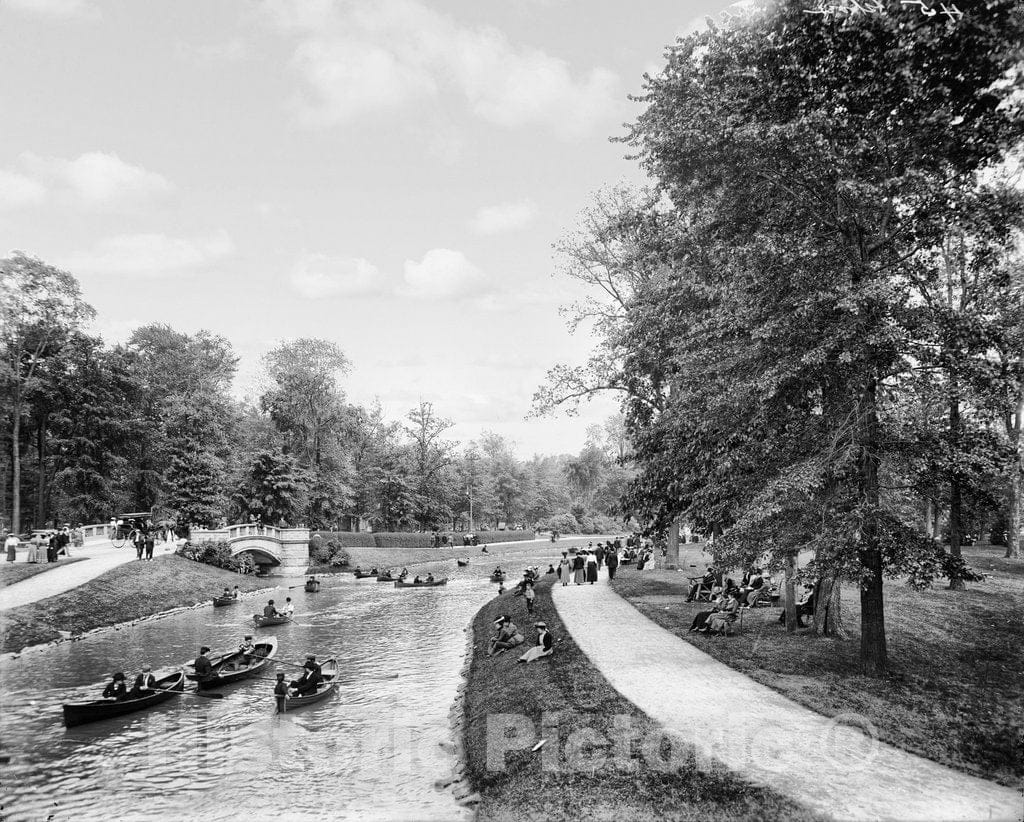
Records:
x=543, y=647
x=578, y=564
x=564, y=568
x=591, y=567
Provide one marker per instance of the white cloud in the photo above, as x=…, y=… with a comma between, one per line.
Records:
x=229, y=51
x=356, y=58
x=56, y=9
x=442, y=273
x=18, y=191
x=151, y=255
x=498, y=219
x=317, y=275
x=91, y=180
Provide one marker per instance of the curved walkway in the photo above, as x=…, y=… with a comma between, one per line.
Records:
x=102, y=556
x=831, y=768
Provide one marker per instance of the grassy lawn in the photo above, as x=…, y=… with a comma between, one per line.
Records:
x=127, y=592
x=11, y=572
x=954, y=692
x=556, y=784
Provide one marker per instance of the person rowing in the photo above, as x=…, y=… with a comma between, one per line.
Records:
x=269, y=610
x=144, y=682
x=404, y=574
x=247, y=649
x=203, y=667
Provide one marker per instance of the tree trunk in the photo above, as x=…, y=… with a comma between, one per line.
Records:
x=929, y=518
x=41, y=483
x=873, y=652
x=828, y=616
x=956, y=583
x=1014, y=424
x=672, y=554
x=16, y=462
x=790, y=594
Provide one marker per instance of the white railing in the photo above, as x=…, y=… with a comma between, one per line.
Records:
x=253, y=529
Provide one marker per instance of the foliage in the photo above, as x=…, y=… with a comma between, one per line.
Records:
x=273, y=490
x=218, y=554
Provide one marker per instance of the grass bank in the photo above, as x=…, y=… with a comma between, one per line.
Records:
x=591, y=767
x=127, y=592
x=953, y=694
x=11, y=572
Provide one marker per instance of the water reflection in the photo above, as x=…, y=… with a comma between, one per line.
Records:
x=372, y=751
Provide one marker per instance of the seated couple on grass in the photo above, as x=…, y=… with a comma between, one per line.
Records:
x=724, y=611
x=507, y=636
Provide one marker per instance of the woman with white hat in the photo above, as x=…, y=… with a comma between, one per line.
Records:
x=544, y=646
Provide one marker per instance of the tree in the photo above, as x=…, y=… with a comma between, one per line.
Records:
x=274, y=489
x=39, y=306
x=429, y=458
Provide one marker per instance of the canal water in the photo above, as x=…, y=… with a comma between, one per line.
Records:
x=372, y=751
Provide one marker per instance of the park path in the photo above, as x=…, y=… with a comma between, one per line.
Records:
x=102, y=556
x=756, y=732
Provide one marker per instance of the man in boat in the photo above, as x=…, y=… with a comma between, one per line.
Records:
x=289, y=607
x=404, y=574
x=430, y=577
x=116, y=688
x=248, y=650
x=416, y=580
x=375, y=571
x=281, y=692
x=236, y=593
x=311, y=677
x=358, y=570
x=202, y=666
x=269, y=610
x=226, y=594
x=144, y=682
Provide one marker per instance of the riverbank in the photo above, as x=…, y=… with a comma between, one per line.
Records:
x=125, y=593
x=601, y=757
x=953, y=693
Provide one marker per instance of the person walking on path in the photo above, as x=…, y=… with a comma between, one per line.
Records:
x=578, y=566
x=564, y=568
x=149, y=546
x=611, y=560
x=591, y=568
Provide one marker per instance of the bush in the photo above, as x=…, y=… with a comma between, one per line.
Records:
x=564, y=523
x=491, y=537
x=218, y=554
x=346, y=539
x=600, y=524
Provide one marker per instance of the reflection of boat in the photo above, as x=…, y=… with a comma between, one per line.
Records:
x=329, y=671
x=265, y=621
x=230, y=666
x=219, y=602
x=401, y=584
x=312, y=585
x=462, y=563
x=79, y=713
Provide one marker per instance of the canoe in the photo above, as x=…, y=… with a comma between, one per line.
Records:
x=400, y=584
x=78, y=713
x=386, y=578
x=265, y=622
x=312, y=587
x=363, y=574
x=462, y=563
x=219, y=602
x=222, y=665
x=328, y=686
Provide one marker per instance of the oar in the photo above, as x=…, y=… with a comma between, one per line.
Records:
x=193, y=693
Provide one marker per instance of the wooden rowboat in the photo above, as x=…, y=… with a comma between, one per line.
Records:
x=498, y=577
x=79, y=713
x=312, y=585
x=329, y=684
x=401, y=584
x=364, y=574
x=220, y=602
x=229, y=666
x=386, y=577
x=266, y=622
x=462, y=563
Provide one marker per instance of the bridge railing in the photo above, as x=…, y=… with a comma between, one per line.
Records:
x=253, y=529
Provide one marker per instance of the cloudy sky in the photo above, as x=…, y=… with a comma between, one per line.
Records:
x=387, y=174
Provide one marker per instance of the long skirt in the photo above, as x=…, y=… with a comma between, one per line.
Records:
x=12, y=554
x=578, y=576
x=591, y=572
x=536, y=652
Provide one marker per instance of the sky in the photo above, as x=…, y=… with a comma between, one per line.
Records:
x=389, y=175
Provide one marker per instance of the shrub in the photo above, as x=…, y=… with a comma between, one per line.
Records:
x=218, y=554
x=564, y=523
x=346, y=539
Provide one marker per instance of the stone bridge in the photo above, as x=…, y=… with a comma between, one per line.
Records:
x=284, y=550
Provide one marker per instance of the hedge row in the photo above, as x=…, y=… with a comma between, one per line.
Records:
x=413, y=539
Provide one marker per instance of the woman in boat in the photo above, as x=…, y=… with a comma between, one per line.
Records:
x=544, y=646
x=116, y=688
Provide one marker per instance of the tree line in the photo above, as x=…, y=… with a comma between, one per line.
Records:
x=815, y=313
x=91, y=430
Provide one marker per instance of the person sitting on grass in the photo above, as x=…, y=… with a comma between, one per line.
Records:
x=720, y=621
x=545, y=644
x=508, y=636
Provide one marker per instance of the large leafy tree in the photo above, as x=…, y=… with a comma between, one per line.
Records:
x=804, y=181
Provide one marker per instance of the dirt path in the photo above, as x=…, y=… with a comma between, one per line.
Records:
x=833, y=768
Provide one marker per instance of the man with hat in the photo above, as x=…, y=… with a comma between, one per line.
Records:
x=544, y=646
x=508, y=636
x=203, y=668
x=116, y=688
x=311, y=677
x=281, y=692
x=144, y=681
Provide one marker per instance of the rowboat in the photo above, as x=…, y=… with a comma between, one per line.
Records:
x=402, y=584
x=78, y=713
x=312, y=585
x=220, y=602
x=364, y=574
x=386, y=577
x=265, y=621
x=462, y=563
x=329, y=684
x=229, y=666
x=498, y=577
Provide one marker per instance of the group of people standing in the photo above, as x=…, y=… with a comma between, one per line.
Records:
x=583, y=566
x=41, y=548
